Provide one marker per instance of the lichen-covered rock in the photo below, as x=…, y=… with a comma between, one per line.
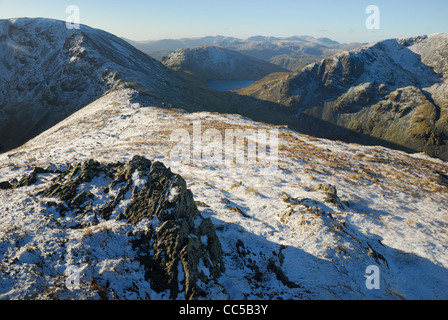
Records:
x=331, y=194
x=179, y=248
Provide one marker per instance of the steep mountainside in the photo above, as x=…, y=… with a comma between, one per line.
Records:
x=214, y=63
x=394, y=90
x=47, y=72
x=312, y=228
x=291, y=53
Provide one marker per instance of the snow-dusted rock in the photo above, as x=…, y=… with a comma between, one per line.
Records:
x=90, y=195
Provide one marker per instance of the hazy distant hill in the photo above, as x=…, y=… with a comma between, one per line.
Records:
x=292, y=53
x=214, y=63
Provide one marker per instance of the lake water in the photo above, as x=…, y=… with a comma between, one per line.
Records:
x=228, y=85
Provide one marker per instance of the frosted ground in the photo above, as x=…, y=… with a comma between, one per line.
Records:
x=282, y=238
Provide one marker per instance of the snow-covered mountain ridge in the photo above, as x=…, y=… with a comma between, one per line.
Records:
x=47, y=72
x=393, y=90
x=286, y=236
x=97, y=206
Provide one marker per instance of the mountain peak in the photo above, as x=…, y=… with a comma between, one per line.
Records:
x=56, y=71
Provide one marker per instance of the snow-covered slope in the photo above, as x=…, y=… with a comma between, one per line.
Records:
x=48, y=71
x=310, y=230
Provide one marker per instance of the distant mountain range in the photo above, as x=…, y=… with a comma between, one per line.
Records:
x=292, y=53
x=390, y=93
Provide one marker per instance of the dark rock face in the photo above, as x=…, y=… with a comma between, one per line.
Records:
x=179, y=248
x=6, y=185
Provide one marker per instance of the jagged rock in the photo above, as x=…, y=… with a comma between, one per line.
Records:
x=39, y=170
x=184, y=245
x=331, y=194
x=25, y=181
x=273, y=267
x=28, y=180
x=201, y=204
x=241, y=212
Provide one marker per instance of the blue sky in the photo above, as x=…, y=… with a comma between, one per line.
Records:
x=342, y=20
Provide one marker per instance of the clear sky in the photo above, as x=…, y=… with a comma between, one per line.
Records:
x=341, y=20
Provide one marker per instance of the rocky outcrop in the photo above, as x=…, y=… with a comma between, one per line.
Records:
x=331, y=194
x=179, y=249
x=5, y=185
